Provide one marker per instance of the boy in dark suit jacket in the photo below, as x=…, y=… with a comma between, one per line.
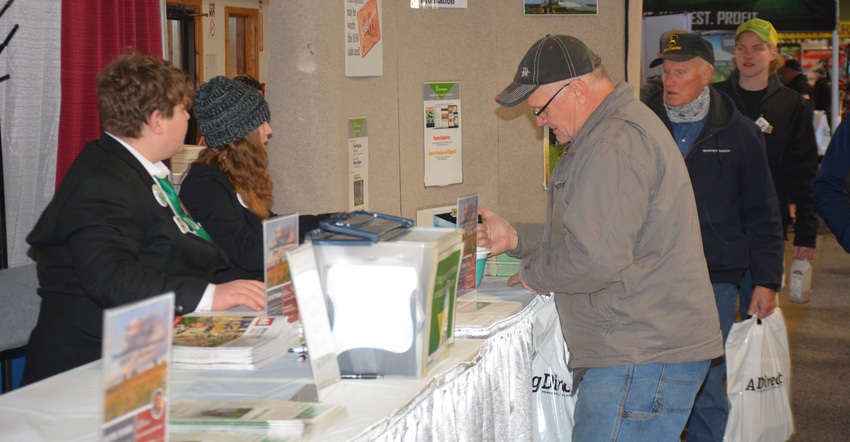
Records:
x=114, y=232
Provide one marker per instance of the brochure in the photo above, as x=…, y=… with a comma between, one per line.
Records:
x=230, y=342
x=280, y=234
x=136, y=349
x=266, y=417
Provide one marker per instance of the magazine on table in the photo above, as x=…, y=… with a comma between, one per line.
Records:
x=222, y=436
x=474, y=313
x=267, y=417
x=230, y=342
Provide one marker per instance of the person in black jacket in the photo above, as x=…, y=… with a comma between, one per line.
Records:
x=228, y=188
x=822, y=92
x=785, y=121
x=736, y=201
x=791, y=75
x=113, y=234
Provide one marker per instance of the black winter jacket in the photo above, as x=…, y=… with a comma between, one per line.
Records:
x=738, y=215
x=792, y=151
x=211, y=200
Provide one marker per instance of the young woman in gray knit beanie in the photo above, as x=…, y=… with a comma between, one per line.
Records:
x=228, y=188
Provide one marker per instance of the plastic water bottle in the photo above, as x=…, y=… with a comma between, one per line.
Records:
x=801, y=281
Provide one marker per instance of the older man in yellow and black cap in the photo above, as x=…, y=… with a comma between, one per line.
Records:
x=738, y=215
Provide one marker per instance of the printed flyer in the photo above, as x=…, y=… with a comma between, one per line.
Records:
x=441, y=331
x=136, y=359
x=438, y=4
x=467, y=220
x=552, y=152
x=358, y=164
x=364, y=52
x=280, y=234
x=443, y=142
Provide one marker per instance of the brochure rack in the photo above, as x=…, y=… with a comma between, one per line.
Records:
x=390, y=291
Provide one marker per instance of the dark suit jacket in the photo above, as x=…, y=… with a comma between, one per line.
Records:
x=211, y=200
x=105, y=241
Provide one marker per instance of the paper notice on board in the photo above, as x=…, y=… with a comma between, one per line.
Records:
x=443, y=143
x=363, y=44
x=438, y=4
x=358, y=164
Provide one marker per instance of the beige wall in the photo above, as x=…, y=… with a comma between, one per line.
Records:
x=311, y=101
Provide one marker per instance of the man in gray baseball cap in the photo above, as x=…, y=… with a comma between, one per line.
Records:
x=552, y=59
x=619, y=249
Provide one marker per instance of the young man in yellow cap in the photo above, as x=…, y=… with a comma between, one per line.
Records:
x=785, y=120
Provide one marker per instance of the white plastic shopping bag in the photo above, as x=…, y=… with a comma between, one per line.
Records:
x=551, y=381
x=758, y=370
x=822, y=132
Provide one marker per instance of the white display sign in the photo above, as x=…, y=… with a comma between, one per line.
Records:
x=438, y=4
x=364, y=48
x=358, y=164
x=443, y=144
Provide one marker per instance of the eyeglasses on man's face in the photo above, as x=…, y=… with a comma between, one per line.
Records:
x=538, y=112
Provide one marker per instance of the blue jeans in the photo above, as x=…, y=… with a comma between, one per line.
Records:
x=711, y=407
x=646, y=402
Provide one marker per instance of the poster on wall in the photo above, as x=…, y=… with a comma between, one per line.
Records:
x=726, y=15
x=438, y=4
x=552, y=152
x=811, y=58
x=364, y=49
x=441, y=118
x=559, y=7
x=358, y=164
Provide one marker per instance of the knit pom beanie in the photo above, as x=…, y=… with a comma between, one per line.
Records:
x=228, y=110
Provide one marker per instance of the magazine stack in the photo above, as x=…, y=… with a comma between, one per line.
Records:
x=230, y=342
x=276, y=419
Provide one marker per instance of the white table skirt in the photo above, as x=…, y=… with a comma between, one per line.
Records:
x=480, y=393
x=470, y=401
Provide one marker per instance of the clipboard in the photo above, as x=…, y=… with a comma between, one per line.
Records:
x=360, y=227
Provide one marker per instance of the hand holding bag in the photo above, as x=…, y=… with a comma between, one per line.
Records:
x=758, y=373
x=551, y=380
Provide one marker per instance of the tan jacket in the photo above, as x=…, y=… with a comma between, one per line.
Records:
x=622, y=249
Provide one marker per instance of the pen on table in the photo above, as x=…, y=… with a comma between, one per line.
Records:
x=301, y=349
x=362, y=376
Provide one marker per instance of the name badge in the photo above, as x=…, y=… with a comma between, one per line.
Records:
x=160, y=196
x=764, y=125
x=184, y=228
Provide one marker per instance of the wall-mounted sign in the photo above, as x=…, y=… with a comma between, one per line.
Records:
x=443, y=143
x=785, y=15
x=363, y=45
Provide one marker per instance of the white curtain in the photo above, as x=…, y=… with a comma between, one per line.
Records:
x=29, y=115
